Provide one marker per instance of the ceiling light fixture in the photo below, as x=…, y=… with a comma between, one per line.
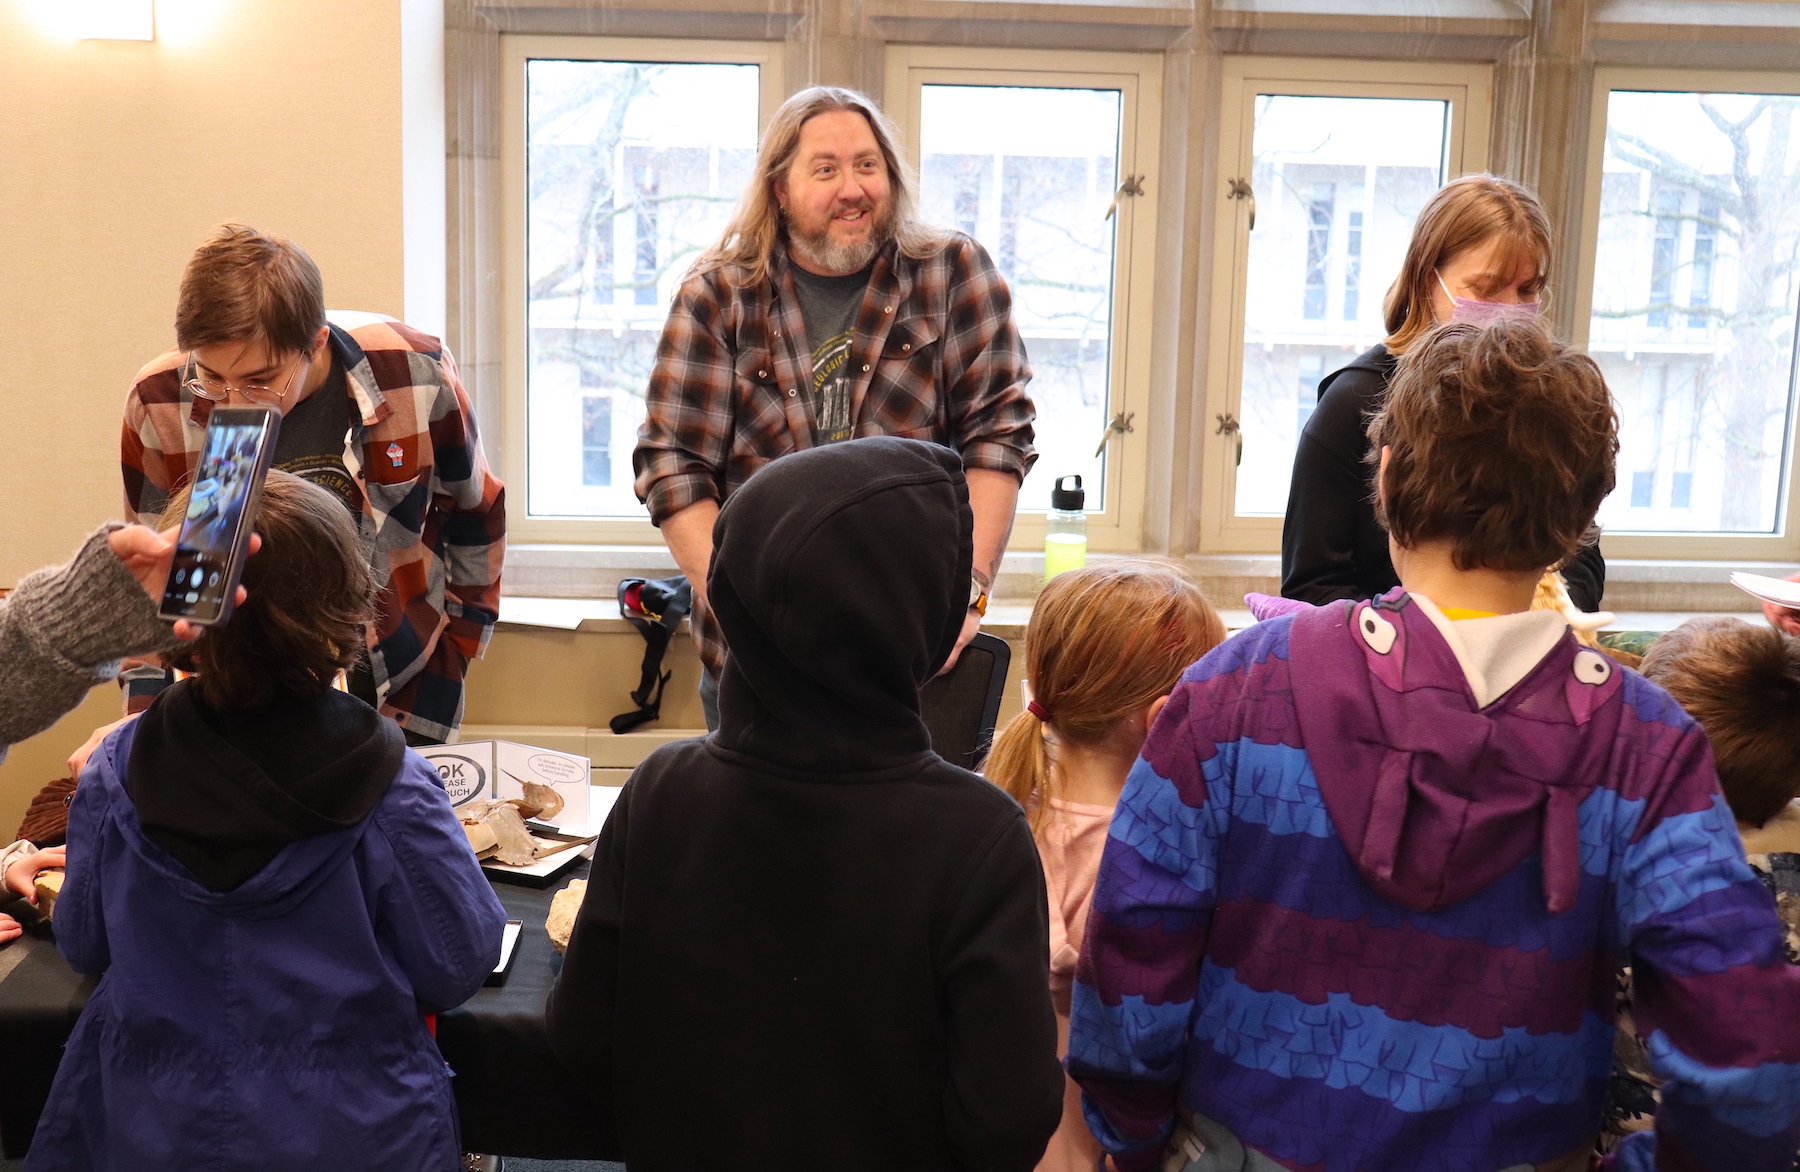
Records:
x=116, y=20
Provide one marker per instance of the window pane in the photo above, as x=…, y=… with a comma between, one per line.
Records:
x=1338, y=183
x=1694, y=304
x=1030, y=172
x=632, y=169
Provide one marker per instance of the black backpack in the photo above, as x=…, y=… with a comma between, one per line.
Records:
x=655, y=606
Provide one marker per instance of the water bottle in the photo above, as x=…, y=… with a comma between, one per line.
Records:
x=1065, y=529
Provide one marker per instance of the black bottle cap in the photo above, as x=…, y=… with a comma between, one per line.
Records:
x=1068, y=499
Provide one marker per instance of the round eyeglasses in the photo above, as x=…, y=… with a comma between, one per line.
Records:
x=206, y=385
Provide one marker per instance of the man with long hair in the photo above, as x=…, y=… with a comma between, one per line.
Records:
x=827, y=310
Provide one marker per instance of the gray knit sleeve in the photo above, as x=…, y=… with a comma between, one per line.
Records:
x=64, y=629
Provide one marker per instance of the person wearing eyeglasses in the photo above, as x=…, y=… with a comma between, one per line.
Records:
x=373, y=411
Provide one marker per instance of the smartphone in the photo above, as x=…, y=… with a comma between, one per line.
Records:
x=509, y=944
x=215, y=533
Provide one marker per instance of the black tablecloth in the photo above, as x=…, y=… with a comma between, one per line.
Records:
x=40, y=998
x=512, y=1095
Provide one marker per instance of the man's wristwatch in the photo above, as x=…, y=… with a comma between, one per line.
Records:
x=978, y=596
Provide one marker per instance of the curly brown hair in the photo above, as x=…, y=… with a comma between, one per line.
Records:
x=1741, y=681
x=310, y=592
x=1500, y=439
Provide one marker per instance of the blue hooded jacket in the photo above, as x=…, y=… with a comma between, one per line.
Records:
x=277, y=1025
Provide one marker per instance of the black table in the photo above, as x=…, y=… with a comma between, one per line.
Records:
x=512, y=1094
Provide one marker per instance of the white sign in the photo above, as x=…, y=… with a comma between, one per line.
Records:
x=467, y=771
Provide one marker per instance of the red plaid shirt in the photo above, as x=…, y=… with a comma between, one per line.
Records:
x=935, y=357
x=433, y=520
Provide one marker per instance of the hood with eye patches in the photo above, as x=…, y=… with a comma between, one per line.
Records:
x=1436, y=787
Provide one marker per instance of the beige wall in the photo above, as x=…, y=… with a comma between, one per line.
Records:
x=584, y=679
x=576, y=679
x=116, y=158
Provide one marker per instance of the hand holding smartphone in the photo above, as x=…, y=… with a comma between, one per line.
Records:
x=215, y=534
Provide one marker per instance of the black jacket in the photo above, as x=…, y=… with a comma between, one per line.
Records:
x=225, y=791
x=1331, y=545
x=808, y=942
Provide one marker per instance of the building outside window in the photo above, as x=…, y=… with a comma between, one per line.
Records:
x=1706, y=236
x=1318, y=247
x=1028, y=153
x=1323, y=168
x=596, y=441
x=1311, y=368
x=624, y=168
x=1386, y=154
x=1693, y=303
x=1048, y=163
x=1662, y=257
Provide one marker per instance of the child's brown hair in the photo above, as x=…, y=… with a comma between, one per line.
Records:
x=1500, y=440
x=309, y=594
x=1104, y=642
x=1741, y=681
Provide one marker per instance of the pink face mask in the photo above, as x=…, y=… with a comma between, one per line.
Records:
x=1486, y=313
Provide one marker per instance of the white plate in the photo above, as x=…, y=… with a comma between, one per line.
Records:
x=1779, y=591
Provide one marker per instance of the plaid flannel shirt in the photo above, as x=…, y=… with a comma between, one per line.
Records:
x=433, y=521
x=935, y=357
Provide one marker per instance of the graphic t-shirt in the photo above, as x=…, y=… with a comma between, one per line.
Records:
x=311, y=443
x=829, y=306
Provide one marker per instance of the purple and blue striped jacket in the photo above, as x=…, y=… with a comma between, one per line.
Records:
x=1323, y=917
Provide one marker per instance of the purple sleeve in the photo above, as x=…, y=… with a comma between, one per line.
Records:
x=1714, y=996
x=1137, y=980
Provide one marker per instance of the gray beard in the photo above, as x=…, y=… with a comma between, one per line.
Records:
x=819, y=252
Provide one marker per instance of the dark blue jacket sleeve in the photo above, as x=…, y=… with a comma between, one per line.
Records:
x=435, y=907
x=80, y=915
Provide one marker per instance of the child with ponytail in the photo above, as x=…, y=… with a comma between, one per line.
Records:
x=1104, y=649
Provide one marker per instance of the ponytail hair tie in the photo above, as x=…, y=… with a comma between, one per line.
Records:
x=1039, y=711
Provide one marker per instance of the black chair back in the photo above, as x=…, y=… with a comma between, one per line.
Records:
x=961, y=706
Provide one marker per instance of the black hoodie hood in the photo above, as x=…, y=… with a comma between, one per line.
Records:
x=840, y=578
x=224, y=792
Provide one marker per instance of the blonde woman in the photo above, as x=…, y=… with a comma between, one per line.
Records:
x=1480, y=252
x=1105, y=648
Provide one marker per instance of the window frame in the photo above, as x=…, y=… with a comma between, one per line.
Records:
x=1468, y=89
x=1138, y=77
x=1780, y=546
x=515, y=51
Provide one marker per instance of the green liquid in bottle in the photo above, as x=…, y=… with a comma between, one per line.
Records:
x=1063, y=551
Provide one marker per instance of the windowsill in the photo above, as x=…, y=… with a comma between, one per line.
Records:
x=574, y=587
x=543, y=571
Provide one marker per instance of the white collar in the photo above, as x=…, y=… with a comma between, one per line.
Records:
x=1496, y=653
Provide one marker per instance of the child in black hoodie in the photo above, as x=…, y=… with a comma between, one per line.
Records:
x=808, y=941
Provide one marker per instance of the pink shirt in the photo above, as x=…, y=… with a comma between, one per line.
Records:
x=1069, y=843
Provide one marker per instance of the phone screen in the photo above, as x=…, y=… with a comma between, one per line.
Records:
x=202, y=575
x=508, y=940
